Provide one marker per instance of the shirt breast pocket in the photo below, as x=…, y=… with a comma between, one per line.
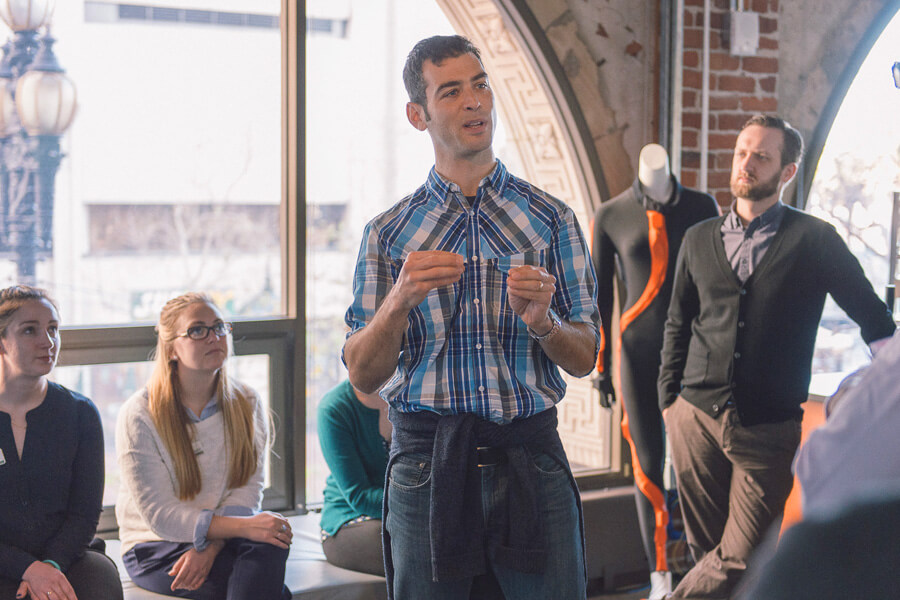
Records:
x=532, y=258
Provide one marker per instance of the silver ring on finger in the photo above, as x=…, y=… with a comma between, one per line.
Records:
x=284, y=527
x=541, y=286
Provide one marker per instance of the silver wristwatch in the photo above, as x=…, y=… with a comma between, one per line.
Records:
x=557, y=323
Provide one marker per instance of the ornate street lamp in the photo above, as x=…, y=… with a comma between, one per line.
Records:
x=37, y=104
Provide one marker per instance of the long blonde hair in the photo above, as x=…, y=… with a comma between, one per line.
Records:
x=170, y=417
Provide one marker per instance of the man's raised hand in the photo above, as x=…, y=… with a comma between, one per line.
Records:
x=424, y=271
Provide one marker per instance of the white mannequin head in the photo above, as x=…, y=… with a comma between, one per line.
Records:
x=654, y=173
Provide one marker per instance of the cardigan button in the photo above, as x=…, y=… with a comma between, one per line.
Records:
x=743, y=292
x=737, y=354
x=740, y=323
x=715, y=408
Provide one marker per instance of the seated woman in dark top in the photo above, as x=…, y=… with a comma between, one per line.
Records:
x=354, y=433
x=51, y=464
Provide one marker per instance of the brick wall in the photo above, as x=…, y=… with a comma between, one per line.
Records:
x=739, y=86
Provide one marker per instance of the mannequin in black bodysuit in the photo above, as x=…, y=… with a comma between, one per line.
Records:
x=637, y=235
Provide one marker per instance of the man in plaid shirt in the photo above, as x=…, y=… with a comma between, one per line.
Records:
x=468, y=296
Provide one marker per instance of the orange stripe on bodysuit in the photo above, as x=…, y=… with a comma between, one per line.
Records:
x=659, y=259
x=600, y=366
x=602, y=348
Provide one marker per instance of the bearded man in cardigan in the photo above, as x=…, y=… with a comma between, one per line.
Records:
x=748, y=295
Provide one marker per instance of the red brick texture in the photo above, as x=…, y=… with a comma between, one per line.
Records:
x=739, y=87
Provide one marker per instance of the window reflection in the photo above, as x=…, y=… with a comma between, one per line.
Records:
x=171, y=172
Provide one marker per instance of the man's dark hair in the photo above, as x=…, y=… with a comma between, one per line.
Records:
x=792, y=148
x=435, y=49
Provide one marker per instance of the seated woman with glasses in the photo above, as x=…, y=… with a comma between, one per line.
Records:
x=51, y=464
x=191, y=447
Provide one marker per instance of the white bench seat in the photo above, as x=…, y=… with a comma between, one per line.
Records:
x=309, y=576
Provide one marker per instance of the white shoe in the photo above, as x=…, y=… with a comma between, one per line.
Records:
x=660, y=585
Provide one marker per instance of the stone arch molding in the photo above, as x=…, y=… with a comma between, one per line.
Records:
x=556, y=160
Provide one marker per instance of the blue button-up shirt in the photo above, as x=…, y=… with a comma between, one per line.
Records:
x=465, y=350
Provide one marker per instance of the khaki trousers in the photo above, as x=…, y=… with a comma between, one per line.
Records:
x=733, y=482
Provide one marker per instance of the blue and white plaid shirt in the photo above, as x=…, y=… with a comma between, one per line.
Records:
x=465, y=349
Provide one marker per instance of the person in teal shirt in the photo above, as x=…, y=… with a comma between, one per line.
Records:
x=354, y=433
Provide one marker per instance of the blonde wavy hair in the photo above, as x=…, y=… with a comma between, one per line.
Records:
x=171, y=420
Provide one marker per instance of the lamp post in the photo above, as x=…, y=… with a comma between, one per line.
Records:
x=37, y=104
x=894, y=252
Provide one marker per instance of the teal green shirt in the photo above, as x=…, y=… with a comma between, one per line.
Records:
x=355, y=453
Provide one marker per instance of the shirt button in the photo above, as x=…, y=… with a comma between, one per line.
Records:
x=475, y=258
x=737, y=354
x=476, y=301
x=480, y=388
x=478, y=346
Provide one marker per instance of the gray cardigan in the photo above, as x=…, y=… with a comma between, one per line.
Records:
x=753, y=342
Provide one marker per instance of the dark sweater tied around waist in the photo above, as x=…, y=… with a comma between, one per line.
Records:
x=459, y=541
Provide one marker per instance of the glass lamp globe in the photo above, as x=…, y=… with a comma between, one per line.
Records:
x=45, y=101
x=26, y=15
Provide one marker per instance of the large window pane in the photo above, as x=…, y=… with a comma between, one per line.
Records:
x=362, y=157
x=109, y=385
x=853, y=188
x=171, y=176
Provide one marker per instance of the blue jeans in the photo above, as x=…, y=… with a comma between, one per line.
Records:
x=243, y=570
x=408, y=525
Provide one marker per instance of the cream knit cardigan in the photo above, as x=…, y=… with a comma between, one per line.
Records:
x=148, y=508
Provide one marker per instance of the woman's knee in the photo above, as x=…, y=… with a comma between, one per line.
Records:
x=262, y=551
x=95, y=575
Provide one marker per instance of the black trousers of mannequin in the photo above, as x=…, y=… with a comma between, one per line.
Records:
x=643, y=429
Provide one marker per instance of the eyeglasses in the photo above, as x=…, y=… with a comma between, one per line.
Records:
x=201, y=332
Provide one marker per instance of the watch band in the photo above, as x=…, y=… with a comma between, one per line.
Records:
x=557, y=323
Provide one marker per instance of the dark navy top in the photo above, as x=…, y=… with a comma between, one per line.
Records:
x=50, y=499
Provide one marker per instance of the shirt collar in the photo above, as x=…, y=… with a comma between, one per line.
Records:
x=211, y=408
x=443, y=189
x=772, y=215
x=651, y=204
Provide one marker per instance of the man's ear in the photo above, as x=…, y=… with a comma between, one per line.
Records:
x=788, y=172
x=415, y=113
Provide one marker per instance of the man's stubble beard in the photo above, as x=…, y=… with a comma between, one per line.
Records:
x=757, y=191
